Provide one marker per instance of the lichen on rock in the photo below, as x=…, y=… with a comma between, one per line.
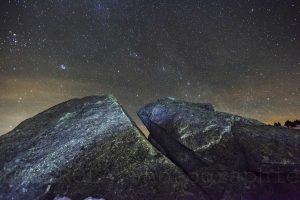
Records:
x=221, y=147
x=84, y=148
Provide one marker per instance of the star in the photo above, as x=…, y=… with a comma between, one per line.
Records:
x=102, y=47
x=62, y=67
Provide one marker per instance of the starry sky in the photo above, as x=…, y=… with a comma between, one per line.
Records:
x=241, y=55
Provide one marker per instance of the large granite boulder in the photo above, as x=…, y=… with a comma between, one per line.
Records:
x=228, y=156
x=87, y=148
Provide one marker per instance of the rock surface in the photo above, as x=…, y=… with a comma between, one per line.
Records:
x=87, y=148
x=228, y=156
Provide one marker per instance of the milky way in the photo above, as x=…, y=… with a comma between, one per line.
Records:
x=242, y=56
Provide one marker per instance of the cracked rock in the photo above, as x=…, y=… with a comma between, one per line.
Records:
x=228, y=156
x=87, y=148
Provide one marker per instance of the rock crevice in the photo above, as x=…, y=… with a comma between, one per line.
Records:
x=243, y=157
x=87, y=147
x=90, y=147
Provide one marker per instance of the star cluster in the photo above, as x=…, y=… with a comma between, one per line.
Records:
x=242, y=56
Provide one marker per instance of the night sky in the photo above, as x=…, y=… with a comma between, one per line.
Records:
x=241, y=55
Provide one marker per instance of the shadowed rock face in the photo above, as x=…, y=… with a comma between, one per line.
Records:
x=230, y=157
x=87, y=147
